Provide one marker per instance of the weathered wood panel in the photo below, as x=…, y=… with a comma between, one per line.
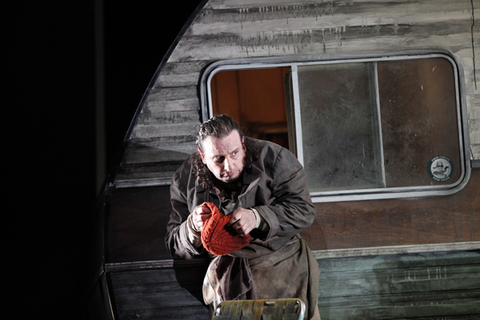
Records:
x=137, y=218
x=399, y=221
x=442, y=285
x=400, y=287
x=169, y=293
x=323, y=29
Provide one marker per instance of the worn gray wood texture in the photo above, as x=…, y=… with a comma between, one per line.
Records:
x=424, y=285
x=358, y=280
x=441, y=285
x=167, y=293
x=323, y=29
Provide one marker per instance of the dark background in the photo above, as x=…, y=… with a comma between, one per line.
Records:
x=49, y=137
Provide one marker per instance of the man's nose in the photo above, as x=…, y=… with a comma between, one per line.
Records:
x=226, y=165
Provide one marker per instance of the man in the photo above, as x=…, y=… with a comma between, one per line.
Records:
x=263, y=188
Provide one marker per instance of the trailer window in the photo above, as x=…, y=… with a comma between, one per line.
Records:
x=361, y=128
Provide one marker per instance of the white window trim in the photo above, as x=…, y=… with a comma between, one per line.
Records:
x=355, y=194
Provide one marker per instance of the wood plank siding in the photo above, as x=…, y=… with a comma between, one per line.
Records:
x=169, y=115
x=137, y=219
x=389, y=259
x=440, y=285
x=402, y=258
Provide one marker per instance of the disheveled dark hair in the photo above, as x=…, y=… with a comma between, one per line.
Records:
x=220, y=126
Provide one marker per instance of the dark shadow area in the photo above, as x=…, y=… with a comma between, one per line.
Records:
x=50, y=143
x=135, y=225
x=190, y=275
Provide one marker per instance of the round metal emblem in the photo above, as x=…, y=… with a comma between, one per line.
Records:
x=440, y=168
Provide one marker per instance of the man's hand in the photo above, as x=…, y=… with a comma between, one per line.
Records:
x=199, y=215
x=243, y=221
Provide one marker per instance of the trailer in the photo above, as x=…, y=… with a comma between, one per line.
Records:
x=380, y=102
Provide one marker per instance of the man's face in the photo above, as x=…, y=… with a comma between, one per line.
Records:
x=224, y=156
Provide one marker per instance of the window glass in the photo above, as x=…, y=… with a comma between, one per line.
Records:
x=341, y=147
x=419, y=120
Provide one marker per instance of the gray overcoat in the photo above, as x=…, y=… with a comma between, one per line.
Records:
x=281, y=263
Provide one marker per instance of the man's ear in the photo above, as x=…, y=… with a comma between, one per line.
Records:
x=202, y=155
x=243, y=144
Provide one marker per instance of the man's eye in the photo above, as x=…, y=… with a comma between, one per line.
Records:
x=219, y=159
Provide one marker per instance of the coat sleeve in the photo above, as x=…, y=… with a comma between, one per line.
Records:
x=290, y=209
x=177, y=240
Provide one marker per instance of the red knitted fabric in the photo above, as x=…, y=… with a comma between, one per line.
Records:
x=217, y=237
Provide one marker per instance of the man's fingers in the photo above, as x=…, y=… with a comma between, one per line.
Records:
x=243, y=221
x=202, y=209
x=234, y=220
x=200, y=214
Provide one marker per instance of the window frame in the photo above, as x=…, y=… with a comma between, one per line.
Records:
x=353, y=194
